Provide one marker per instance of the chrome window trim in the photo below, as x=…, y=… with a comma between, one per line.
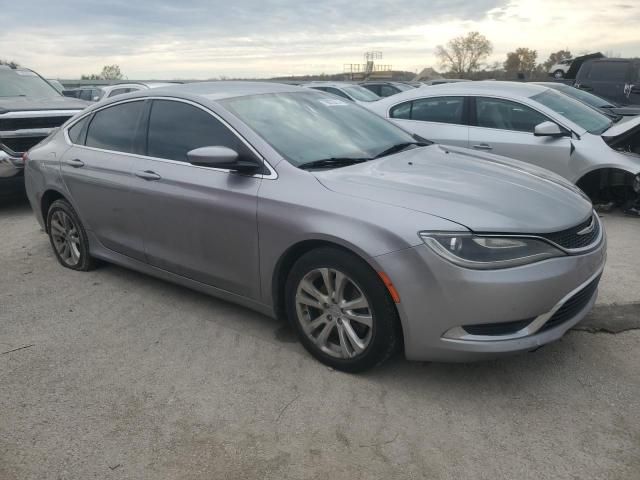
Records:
x=272, y=175
x=458, y=334
x=41, y=113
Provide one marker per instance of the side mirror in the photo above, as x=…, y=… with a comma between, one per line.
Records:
x=221, y=157
x=549, y=129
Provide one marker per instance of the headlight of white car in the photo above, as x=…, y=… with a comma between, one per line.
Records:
x=485, y=252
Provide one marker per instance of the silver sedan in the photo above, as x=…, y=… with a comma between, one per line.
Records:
x=301, y=205
x=531, y=123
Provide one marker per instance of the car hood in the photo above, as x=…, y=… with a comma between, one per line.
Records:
x=485, y=193
x=26, y=104
x=621, y=131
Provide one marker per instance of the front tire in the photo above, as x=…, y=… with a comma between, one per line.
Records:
x=68, y=237
x=341, y=310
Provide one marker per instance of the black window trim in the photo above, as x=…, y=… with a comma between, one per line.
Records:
x=271, y=175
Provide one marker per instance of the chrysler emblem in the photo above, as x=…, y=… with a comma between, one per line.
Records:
x=587, y=229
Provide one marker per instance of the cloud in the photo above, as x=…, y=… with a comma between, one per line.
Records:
x=250, y=38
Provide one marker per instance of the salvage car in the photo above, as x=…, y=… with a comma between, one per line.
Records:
x=531, y=123
x=605, y=106
x=349, y=91
x=30, y=109
x=302, y=205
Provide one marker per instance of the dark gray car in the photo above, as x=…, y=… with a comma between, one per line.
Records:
x=299, y=204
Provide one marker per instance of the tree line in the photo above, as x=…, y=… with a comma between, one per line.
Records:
x=465, y=57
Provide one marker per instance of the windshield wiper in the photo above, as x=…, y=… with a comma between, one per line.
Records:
x=332, y=162
x=399, y=147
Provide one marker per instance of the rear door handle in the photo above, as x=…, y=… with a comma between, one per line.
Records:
x=483, y=146
x=147, y=175
x=75, y=163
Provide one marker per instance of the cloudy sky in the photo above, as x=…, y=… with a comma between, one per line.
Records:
x=261, y=38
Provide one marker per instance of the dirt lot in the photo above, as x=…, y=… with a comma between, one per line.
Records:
x=115, y=375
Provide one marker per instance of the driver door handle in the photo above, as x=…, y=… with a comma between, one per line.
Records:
x=483, y=146
x=147, y=175
x=75, y=163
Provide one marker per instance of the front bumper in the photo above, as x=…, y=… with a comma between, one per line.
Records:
x=10, y=166
x=437, y=298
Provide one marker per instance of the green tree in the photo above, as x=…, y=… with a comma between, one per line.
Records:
x=523, y=60
x=464, y=55
x=556, y=57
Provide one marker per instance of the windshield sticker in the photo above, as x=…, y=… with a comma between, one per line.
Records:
x=332, y=102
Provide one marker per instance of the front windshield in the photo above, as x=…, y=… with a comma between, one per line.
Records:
x=24, y=83
x=586, y=97
x=309, y=126
x=360, y=93
x=580, y=114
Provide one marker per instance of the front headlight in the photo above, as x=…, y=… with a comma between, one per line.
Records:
x=488, y=252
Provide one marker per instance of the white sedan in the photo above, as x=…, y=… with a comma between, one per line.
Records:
x=531, y=123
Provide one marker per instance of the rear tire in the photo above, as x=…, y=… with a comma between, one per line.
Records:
x=341, y=310
x=68, y=237
x=559, y=74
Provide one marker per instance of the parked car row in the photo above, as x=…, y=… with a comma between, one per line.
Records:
x=531, y=123
x=368, y=238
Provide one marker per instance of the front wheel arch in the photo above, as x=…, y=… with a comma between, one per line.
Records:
x=608, y=184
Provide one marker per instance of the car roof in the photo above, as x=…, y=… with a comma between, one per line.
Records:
x=485, y=87
x=215, y=90
x=330, y=84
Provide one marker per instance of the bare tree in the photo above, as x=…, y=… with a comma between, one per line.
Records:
x=109, y=72
x=9, y=63
x=523, y=60
x=464, y=55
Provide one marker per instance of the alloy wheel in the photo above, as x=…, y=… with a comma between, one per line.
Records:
x=66, y=238
x=334, y=313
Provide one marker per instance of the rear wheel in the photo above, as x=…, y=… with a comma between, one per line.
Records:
x=558, y=74
x=341, y=310
x=68, y=237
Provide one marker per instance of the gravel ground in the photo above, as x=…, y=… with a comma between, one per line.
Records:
x=115, y=375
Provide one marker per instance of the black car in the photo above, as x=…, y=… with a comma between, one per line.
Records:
x=386, y=89
x=609, y=108
x=616, y=79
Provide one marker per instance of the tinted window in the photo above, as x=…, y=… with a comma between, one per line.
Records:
x=114, y=128
x=120, y=91
x=387, y=91
x=361, y=94
x=78, y=131
x=440, y=109
x=176, y=128
x=373, y=88
x=402, y=111
x=609, y=71
x=337, y=92
x=506, y=115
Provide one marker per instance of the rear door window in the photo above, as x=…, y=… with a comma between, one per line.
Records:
x=176, y=128
x=78, y=132
x=438, y=109
x=115, y=128
x=506, y=115
x=609, y=71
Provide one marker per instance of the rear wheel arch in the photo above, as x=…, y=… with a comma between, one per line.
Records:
x=47, y=199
